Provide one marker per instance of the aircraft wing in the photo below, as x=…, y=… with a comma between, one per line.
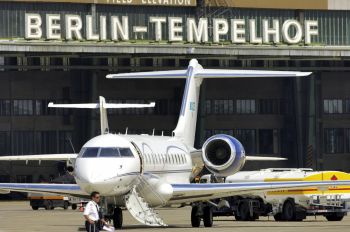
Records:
x=48, y=157
x=64, y=189
x=187, y=193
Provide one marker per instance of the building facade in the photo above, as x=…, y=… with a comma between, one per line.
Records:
x=60, y=51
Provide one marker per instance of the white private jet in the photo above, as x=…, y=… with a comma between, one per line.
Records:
x=141, y=172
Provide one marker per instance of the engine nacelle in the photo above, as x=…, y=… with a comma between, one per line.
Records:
x=223, y=155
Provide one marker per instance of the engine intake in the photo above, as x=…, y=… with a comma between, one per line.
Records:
x=223, y=155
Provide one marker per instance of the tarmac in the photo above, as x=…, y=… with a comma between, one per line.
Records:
x=18, y=216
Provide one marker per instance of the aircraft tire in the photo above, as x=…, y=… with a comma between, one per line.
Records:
x=208, y=216
x=195, y=219
x=118, y=218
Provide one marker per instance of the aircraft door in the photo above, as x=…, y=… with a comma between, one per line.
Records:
x=140, y=157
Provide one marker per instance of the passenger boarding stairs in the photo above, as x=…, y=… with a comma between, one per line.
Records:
x=139, y=208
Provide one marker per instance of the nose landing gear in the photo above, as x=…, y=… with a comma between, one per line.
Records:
x=118, y=218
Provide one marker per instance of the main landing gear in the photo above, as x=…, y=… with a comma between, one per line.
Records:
x=198, y=213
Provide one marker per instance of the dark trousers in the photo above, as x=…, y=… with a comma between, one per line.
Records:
x=92, y=227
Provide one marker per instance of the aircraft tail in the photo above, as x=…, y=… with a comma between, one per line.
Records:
x=103, y=106
x=186, y=126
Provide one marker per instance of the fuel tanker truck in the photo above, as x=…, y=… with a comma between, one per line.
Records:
x=288, y=205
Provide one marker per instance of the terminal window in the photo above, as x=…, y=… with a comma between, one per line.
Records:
x=333, y=106
x=245, y=106
x=23, y=107
x=334, y=140
x=5, y=107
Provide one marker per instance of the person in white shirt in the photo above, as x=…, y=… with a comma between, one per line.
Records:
x=93, y=217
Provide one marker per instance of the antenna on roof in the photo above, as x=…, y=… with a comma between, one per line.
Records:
x=162, y=133
x=126, y=130
x=153, y=131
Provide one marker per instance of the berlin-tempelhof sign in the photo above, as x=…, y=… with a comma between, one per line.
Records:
x=239, y=31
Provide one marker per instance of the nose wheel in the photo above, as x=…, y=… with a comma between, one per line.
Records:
x=118, y=218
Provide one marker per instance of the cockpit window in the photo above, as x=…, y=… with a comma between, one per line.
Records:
x=90, y=152
x=125, y=152
x=109, y=152
x=112, y=152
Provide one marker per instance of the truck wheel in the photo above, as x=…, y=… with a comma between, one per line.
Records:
x=35, y=207
x=74, y=206
x=278, y=217
x=48, y=205
x=208, y=216
x=195, y=219
x=288, y=212
x=334, y=217
x=118, y=218
x=238, y=218
x=244, y=212
x=65, y=205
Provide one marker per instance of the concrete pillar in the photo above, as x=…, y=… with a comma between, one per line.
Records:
x=311, y=159
x=93, y=96
x=200, y=131
x=298, y=96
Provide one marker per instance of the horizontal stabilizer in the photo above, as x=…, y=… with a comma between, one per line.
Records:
x=48, y=157
x=97, y=105
x=225, y=73
x=151, y=75
x=261, y=158
x=208, y=73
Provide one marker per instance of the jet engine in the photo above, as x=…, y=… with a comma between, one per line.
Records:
x=223, y=155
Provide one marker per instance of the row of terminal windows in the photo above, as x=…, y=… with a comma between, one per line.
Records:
x=144, y=63
x=25, y=179
x=254, y=141
x=336, y=140
x=38, y=142
x=247, y=106
x=27, y=108
x=160, y=159
x=336, y=106
x=163, y=107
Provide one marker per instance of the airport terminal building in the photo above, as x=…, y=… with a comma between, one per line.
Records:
x=61, y=51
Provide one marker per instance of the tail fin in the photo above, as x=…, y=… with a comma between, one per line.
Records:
x=103, y=106
x=186, y=126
